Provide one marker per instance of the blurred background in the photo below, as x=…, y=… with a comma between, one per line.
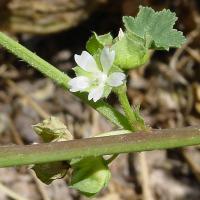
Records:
x=167, y=88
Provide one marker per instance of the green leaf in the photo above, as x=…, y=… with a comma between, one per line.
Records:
x=52, y=129
x=156, y=28
x=98, y=42
x=130, y=51
x=89, y=175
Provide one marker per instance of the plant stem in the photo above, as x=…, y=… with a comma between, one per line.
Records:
x=34, y=60
x=135, y=123
x=61, y=79
x=140, y=141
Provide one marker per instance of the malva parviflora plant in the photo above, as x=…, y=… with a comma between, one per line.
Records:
x=101, y=69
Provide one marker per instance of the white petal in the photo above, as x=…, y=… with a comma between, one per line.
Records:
x=107, y=58
x=116, y=79
x=79, y=83
x=96, y=93
x=120, y=34
x=86, y=62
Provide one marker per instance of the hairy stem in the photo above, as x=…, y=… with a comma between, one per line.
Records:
x=140, y=141
x=135, y=122
x=61, y=79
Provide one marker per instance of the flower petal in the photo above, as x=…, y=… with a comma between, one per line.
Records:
x=86, y=62
x=96, y=93
x=120, y=34
x=116, y=79
x=79, y=83
x=107, y=58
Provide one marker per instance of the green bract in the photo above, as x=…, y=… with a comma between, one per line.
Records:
x=52, y=129
x=49, y=172
x=98, y=42
x=130, y=51
x=90, y=175
x=156, y=28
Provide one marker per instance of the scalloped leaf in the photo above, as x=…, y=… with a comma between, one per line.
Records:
x=156, y=28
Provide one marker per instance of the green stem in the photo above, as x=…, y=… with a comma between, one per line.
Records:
x=135, y=122
x=33, y=60
x=98, y=146
x=61, y=79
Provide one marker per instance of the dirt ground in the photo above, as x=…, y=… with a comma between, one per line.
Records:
x=167, y=88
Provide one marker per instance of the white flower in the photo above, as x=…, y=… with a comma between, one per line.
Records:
x=96, y=78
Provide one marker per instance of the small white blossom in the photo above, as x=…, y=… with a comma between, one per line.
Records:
x=97, y=78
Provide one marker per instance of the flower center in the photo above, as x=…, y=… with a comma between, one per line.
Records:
x=99, y=79
x=102, y=78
